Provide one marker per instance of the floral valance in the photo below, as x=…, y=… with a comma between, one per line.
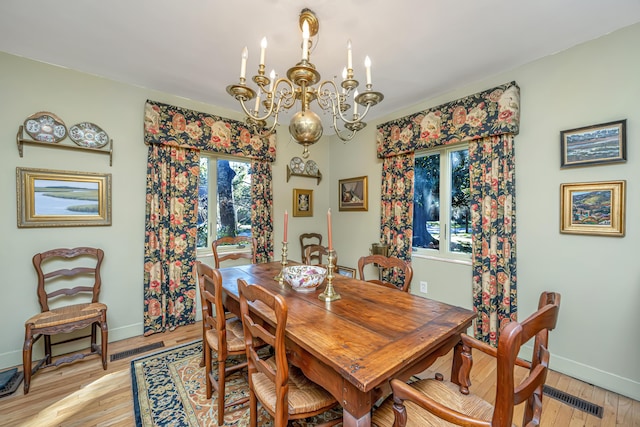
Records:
x=492, y=112
x=170, y=125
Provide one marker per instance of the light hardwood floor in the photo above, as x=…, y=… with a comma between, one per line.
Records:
x=83, y=394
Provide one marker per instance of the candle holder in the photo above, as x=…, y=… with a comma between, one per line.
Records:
x=280, y=276
x=329, y=293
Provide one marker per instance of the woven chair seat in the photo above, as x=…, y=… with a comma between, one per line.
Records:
x=235, y=336
x=305, y=396
x=65, y=315
x=446, y=393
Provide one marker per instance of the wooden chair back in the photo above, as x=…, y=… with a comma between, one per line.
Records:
x=314, y=255
x=402, y=270
x=308, y=239
x=240, y=241
x=283, y=390
x=256, y=335
x=64, y=277
x=446, y=402
x=220, y=334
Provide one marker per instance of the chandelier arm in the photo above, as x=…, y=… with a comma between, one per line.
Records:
x=340, y=132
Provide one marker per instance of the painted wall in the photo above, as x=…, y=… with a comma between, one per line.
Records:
x=598, y=278
x=597, y=338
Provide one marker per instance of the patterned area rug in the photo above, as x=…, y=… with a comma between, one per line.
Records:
x=169, y=390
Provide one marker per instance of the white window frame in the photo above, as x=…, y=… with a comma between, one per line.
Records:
x=443, y=253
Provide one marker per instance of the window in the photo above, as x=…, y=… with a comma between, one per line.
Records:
x=226, y=186
x=441, y=204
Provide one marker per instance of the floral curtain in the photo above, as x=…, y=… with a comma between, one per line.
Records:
x=397, y=210
x=175, y=137
x=261, y=209
x=484, y=116
x=493, y=211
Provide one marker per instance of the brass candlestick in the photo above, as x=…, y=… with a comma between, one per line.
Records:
x=329, y=293
x=280, y=276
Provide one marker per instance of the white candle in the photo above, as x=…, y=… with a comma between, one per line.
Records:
x=257, y=107
x=349, y=56
x=263, y=49
x=344, y=77
x=272, y=77
x=243, y=64
x=305, y=40
x=367, y=66
x=355, y=104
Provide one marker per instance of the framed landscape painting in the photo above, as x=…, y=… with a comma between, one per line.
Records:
x=48, y=198
x=595, y=208
x=596, y=144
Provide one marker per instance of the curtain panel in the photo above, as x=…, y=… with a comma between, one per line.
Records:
x=175, y=137
x=488, y=120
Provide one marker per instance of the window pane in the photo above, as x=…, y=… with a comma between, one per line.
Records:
x=234, y=198
x=230, y=185
x=203, y=203
x=460, y=234
x=426, y=202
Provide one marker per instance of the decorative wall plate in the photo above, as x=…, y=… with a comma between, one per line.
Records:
x=45, y=126
x=297, y=165
x=89, y=135
x=311, y=168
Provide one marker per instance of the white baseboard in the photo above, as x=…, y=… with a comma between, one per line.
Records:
x=591, y=375
x=14, y=358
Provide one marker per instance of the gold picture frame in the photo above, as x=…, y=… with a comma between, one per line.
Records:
x=49, y=198
x=302, y=202
x=593, y=208
x=353, y=194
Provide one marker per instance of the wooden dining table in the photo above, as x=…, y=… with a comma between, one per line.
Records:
x=353, y=346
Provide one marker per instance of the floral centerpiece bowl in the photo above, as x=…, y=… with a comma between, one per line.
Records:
x=304, y=278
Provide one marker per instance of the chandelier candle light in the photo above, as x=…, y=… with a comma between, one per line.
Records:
x=281, y=94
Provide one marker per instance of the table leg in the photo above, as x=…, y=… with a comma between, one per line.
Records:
x=348, y=420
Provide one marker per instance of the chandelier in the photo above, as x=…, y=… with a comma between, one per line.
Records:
x=282, y=93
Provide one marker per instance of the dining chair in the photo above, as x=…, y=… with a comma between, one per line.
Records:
x=316, y=253
x=222, y=335
x=436, y=402
x=239, y=241
x=282, y=390
x=307, y=239
x=65, y=278
x=402, y=270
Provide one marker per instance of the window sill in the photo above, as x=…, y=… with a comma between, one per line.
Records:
x=441, y=258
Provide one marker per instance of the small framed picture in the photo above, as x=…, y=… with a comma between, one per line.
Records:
x=596, y=144
x=353, y=194
x=302, y=202
x=595, y=208
x=346, y=271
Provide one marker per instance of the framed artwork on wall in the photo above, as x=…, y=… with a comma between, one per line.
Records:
x=48, y=198
x=594, y=208
x=596, y=144
x=302, y=202
x=353, y=194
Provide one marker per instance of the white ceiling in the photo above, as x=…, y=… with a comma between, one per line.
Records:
x=191, y=48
